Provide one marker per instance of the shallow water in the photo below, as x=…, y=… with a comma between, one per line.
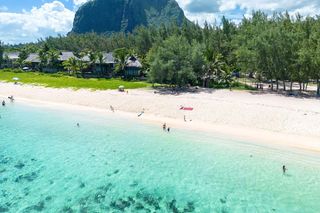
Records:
x=110, y=164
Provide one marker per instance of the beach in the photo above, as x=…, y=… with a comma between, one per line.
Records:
x=67, y=151
x=287, y=122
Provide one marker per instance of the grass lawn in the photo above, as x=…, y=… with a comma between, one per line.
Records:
x=64, y=81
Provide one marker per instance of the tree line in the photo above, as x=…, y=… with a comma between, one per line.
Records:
x=279, y=49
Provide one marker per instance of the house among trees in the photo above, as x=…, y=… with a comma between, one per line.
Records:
x=104, y=64
x=10, y=60
x=33, y=61
x=133, y=67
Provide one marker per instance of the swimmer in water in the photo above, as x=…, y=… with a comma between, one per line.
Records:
x=164, y=127
x=284, y=169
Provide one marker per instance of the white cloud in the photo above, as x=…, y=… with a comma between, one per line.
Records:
x=79, y=2
x=235, y=9
x=49, y=19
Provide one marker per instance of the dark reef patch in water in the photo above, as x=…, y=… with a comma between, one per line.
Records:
x=4, y=209
x=3, y=180
x=134, y=184
x=4, y=159
x=82, y=185
x=2, y=171
x=67, y=209
x=152, y=200
x=4, y=193
x=105, y=188
x=48, y=198
x=190, y=207
x=39, y=207
x=172, y=205
x=223, y=200
x=27, y=177
x=99, y=197
x=19, y=165
x=120, y=204
x=84, y=203
x=103, y=200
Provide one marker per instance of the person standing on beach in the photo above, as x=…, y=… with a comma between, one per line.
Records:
x=3, y=103
x=111, y=107
x=168, y=129
x=164, y=127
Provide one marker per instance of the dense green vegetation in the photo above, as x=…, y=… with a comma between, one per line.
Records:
x=60, y=80
x=106, y=16
x=278, y=50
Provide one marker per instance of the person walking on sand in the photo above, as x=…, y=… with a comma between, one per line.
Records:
x=11, y=98
x=284, y=169
x=141, y=113
x=112, y=109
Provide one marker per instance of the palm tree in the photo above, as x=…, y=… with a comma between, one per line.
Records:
x=100, y=60
x=53, y=57
x=121, y=55
x=43, y=56
x=82, y=60
x=43, y=59
x=23, y=55
x=214, y=69
x=72, y=65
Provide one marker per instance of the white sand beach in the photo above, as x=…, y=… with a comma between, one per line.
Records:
x=262, y=118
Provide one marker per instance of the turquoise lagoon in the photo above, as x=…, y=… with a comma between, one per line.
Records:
x=112, y=164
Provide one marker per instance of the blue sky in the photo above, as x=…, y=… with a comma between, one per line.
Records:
x=19, y=5
x=29, y=20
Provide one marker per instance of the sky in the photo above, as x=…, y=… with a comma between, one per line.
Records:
x=24, y=21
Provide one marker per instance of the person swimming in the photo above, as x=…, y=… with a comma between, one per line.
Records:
x=284, y=169
x=78, y=125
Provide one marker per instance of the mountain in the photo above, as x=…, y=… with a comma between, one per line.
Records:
x=106, y=16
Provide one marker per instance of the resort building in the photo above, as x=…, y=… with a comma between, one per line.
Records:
x=10, y=60
x=133, y=67
x=101, y=68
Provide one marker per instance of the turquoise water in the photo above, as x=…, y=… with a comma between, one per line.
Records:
x=110, y=164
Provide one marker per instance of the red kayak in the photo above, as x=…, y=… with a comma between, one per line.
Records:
x=186, y=108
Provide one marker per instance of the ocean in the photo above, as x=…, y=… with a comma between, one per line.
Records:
x=113, y=164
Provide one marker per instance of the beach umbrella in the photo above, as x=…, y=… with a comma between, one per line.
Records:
x=188, y=109
x=15, y=78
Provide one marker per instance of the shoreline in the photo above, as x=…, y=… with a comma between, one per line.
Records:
x=67, y=98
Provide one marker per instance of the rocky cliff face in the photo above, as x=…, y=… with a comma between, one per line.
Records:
x=105, y=16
